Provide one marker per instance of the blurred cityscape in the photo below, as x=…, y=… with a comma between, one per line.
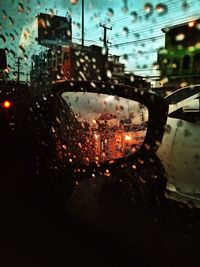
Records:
x=63, y=59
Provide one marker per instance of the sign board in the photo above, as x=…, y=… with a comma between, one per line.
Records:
x=54, y=30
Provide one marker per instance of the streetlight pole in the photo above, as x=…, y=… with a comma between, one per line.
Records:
x=82, y=24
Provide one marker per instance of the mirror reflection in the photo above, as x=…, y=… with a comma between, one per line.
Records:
x=99, y=127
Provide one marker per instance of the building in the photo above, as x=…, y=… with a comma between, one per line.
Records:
x=115, y=69
x=76, y=63
x=118, y=74
x=69, y=63
x=64, y=60
x=179, y=60
x=3, y=65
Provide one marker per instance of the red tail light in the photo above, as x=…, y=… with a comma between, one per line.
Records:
x=6, y=104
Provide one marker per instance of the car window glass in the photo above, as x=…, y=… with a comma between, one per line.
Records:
x=148, y=208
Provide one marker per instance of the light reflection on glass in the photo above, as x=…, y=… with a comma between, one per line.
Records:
x=101, y=126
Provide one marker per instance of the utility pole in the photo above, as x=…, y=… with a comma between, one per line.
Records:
x=105, y=43
x=18, y=64
x=105, y=35
x=82, y=24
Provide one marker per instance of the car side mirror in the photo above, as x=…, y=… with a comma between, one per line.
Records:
x=191, y=116
x=77, y=130
x=189, y=112
x=100, y=126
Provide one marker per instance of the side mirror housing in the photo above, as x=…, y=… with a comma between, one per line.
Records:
x=157, y=115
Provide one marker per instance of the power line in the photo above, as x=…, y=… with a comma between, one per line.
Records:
x=89, y=41
x=144, y=13
x=154, y=28
x=148, y=27
x=141, y=40
x=159, y=26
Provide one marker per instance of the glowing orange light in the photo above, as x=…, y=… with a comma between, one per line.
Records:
x=128, y=138
x=191, y=24
x=6, y=104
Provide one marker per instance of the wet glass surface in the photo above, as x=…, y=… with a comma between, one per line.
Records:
x=149, y=211
x=101, y=127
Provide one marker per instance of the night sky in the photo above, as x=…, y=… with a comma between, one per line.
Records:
x=136, y=27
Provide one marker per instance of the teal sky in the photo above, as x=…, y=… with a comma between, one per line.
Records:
x=135, y=36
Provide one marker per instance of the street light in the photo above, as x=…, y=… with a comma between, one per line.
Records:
x=82, y=24
x=74, y=2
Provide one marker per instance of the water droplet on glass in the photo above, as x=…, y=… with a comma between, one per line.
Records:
x=126, y=30
x=125, y=9
x=4, y=14
x=164, y=80
x=12, y=52
x=3, y=38
x=29, y=10
x=185, y=5
x=187, y=133
x=191, y=48
x=197, y=45
x=134, y=15
x=125, y=56
x=78, y=25
x=183, y=84
x=110, y=12
x=93, y=84
x=11, y=21
x=20, y=8
x=167, y=128
x=155, y=66
x=74, y=2
x=103, y=51
x=132, y=78
x=51, y=12
x=148, y=8
x=137, y=35
x=161, y=9
x=180, y=37
x=180, y=123
x=82, y=76
x=109, y=74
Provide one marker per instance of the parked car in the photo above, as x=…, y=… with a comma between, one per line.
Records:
x=179, y=151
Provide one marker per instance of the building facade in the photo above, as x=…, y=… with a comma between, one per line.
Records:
x=69, y=63
x=64, y=60
x=179, y=60
x=81, y=64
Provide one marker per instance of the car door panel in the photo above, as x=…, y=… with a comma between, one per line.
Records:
x=186, y=158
